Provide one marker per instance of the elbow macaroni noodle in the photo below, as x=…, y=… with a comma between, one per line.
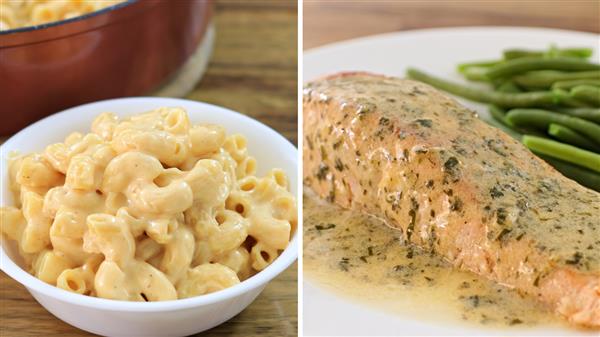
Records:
x=147, y=208
x=25, y=13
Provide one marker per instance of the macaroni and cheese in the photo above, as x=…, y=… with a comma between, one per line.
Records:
x=147, y=208
x=25, y=13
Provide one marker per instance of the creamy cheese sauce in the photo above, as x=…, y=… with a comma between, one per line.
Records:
x=360, y=257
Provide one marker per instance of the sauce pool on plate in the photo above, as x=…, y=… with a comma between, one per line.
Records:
x=359, y=257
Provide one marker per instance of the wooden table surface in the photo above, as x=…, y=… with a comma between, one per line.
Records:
x=330, y=21
x=254, y=71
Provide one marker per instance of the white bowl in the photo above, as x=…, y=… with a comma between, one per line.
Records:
x=168, y=318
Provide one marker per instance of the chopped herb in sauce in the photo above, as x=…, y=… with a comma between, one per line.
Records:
x=515, y=321
x=322, y=172
x=410, y=252
x=344, y=263
x=575, y=259
x=424, y=122
x=502, y=233
x=451, y=169
x=337, y=144
x=331, y=196
x=309, y=142
x=495, y=192
x=501, y=215
x=412, y=213
x=364, y=109
x=325, y=226
x=456, y=204
x=339, y=165
x=323, y=152
x=450, y=163
x=473, y=300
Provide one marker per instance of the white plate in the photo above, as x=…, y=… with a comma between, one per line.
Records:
x=167, y=318
x=436, y=51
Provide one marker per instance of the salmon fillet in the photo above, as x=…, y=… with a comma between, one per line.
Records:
x=404, y=152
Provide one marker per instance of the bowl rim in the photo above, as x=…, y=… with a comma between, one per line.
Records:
x=69, y=20
x=283, y=261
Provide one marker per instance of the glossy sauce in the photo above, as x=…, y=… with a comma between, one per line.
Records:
x=360, y=257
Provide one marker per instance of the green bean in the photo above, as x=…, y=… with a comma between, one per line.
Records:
x=498, y=114
x=475, y=74
x=497, y=120
x=514, y=134
x=581, y=175
x=507, y=100
x=564, y=152
x=552, y=52
x=524, y=64
x=566, y=85
x=541, y=119
x=590, y=114
x=563, y=97
x=543, y=79
x=478, y=64
x=567, y=135
x=509, y=86
x=587, y=93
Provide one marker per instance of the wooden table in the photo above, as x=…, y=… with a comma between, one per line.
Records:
x=329, y=21
x=253, y=71
x=254, y=65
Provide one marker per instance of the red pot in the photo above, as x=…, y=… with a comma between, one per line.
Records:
x=124, y=50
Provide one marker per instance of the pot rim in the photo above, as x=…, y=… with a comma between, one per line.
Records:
x=65, y=21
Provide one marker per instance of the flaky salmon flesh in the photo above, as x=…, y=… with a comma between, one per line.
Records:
x=404, y=152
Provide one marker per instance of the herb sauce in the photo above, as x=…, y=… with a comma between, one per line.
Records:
x=359, y=256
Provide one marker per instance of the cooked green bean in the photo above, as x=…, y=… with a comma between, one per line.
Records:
x=563, y=151
x=566, y=85
x=524, y=64
x=541, y=119
x=587, y=93
x=552, y=52
x=509, y=86
x=514, y=134
x=567, y=135
x=475, y=74
x=478, y=64
x=543, y=79
x=498, y=114
x=581, y=175
x=507, y=100
x=565, y=98
x=590, y=114
x=499, y=121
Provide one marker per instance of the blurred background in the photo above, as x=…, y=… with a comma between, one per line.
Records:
x=330, y=21
x=252, y=70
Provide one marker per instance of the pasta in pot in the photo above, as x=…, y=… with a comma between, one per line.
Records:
x=25, y=13
x=147, y=208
